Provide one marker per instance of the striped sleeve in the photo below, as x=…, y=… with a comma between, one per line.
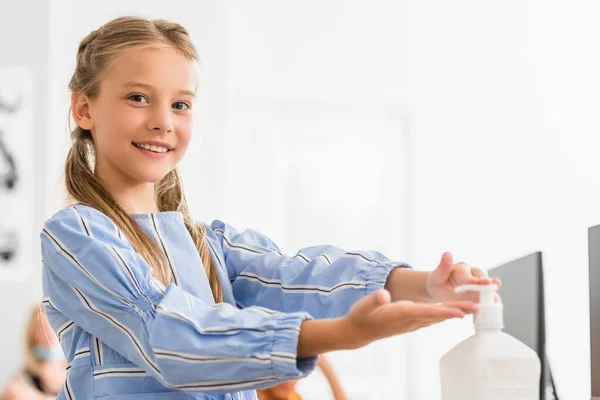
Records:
x=101, y=284
x=324, y=281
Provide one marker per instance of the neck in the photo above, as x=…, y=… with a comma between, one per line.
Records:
x=133, y=196
x=139, y=199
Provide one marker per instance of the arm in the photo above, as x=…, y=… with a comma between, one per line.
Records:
x=322, y=280
x=98, y=281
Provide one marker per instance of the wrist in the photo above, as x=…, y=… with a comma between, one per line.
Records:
x=409, y=284
x=322, y=336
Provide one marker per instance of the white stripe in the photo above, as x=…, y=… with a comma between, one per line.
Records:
x=119, y=372
x=207, y=386
x=97, y=351
x=189, y=298
x=85, y=352
x=86, y=226
x=224, y=385
x=121, y=375
x=284, y=356
x=356, y=254
x=259, y=309
x=264, y=310
x=87, y=303
x=166, y=250
x=303, y=257
x=158, y=284
x=198, y=359
x=69, y=389
x=75, y=262
x=299, y=288
x=215, y=254
x=122, y=262
x=101, y=353
x=248, y=248
x=235, y=246
x=47, y=301
x=214, y=330
x=64, y=329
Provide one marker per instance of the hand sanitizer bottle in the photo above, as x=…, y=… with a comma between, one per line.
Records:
x=490, y=365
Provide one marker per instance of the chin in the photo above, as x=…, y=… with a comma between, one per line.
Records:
x=151, y=176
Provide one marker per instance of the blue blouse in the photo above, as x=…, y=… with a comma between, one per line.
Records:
x=127, y=336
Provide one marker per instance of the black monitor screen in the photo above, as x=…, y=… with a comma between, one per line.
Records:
x=522, y=293
x=594, y=254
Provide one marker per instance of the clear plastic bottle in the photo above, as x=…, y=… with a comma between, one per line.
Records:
x=490, y=365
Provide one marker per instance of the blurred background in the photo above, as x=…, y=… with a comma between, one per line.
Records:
x=470, y=126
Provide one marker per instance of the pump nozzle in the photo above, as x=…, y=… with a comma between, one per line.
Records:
x=489, y=314
x=486, y=292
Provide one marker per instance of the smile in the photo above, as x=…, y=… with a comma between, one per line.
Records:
x=152, y=147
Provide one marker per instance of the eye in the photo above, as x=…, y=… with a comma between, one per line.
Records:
x=138, y=98
x=181, y=105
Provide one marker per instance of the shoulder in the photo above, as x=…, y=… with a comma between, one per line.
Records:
x=82, y=219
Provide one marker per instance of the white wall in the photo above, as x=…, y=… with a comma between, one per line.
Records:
x=317, y=144
x=505, y=127
x=493, y=104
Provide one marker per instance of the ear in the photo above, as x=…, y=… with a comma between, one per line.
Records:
x=80, y=109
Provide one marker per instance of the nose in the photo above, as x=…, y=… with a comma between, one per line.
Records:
x=160, y=120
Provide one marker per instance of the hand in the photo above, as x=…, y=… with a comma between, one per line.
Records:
x=376, y=317
x=442, y=281
x=52, y=375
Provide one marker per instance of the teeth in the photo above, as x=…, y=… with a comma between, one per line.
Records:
x=151, y=147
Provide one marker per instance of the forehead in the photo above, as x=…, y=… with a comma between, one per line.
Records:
x=165, y=69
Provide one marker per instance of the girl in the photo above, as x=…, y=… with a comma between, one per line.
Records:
x=44, y=370
x=147, y=303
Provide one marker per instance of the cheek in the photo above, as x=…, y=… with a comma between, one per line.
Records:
x=183, y=130
x=115, y=125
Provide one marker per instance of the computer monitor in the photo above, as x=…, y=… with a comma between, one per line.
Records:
x=594, y=260
x=522, y=293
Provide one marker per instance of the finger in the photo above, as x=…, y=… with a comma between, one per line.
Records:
x=478, y=272
x=465, y=305
x=432, y=321
x=469, y=296
x=382, y=296
x=445, y=268
x=431, y=311
x=461, y=274
x=369, y=304
x=481, y=277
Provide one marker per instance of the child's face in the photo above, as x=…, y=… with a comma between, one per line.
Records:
x=145, y=99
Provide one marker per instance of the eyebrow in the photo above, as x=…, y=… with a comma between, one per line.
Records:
x=145, y=85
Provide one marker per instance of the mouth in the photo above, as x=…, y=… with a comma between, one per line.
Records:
x=155, y=148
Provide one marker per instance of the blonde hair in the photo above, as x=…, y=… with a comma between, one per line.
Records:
x=95, y=54
x=37, y=331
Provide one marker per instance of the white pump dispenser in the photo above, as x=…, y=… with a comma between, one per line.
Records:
x=490, y=365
